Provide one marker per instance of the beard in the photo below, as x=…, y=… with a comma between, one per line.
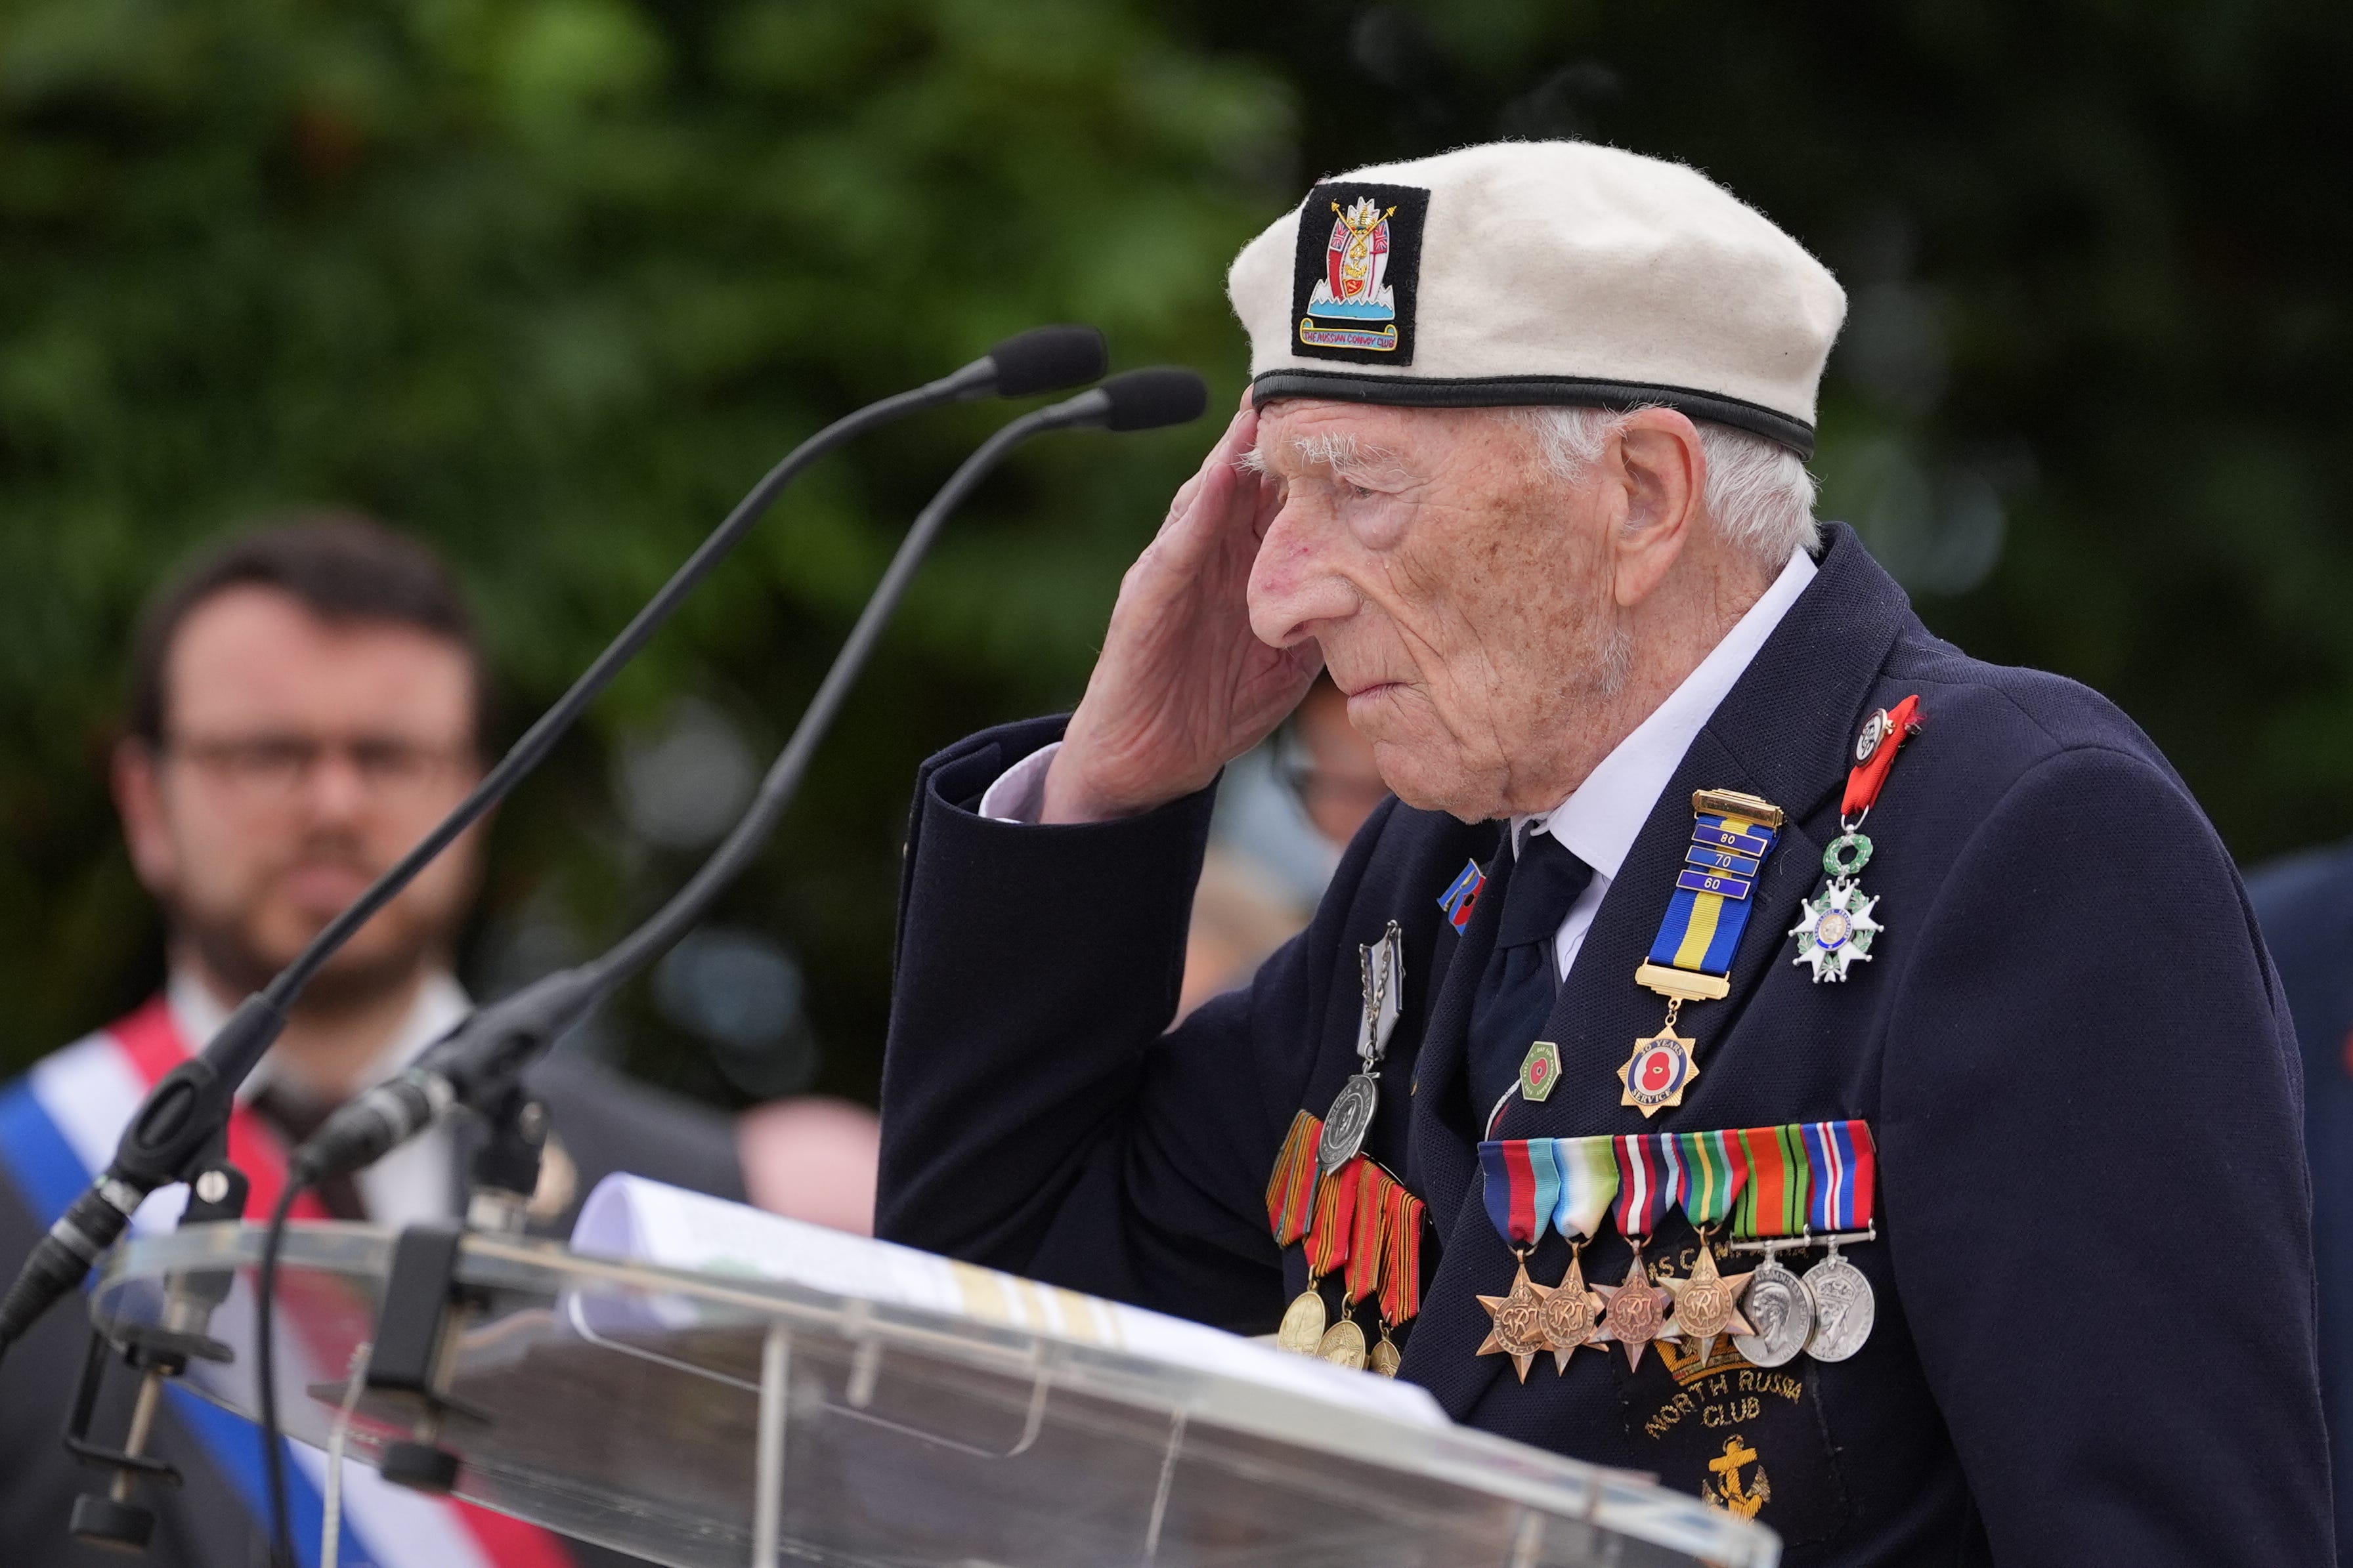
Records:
x=383, y=958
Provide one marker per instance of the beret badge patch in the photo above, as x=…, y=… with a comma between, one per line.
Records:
x=1357, y=271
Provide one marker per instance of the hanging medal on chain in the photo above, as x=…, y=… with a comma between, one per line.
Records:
x=1837, y=927
x=1382, y=966
x=1690, y=958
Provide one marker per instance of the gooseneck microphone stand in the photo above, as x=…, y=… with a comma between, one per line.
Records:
x=479, y=1064
x=177, y=1133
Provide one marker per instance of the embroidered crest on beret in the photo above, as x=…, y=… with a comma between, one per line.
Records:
x=1354, y=283
x=1539, y=272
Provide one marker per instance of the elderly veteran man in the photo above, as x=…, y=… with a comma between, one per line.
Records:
x=1759, y=1044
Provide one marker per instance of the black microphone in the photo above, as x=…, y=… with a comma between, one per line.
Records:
x=188, y=1107
x=476, y=1060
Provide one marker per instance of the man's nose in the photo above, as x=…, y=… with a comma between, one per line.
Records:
x=336, y=789
x=1292, y=586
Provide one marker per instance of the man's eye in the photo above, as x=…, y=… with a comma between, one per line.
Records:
x=1353, y=490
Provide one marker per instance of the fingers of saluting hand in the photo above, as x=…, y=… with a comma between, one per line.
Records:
x=1221, y=496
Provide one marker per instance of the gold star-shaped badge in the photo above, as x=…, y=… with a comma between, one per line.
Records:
x=1518, y=1329
x=1707, y=1305
x=1572, y=1315
x=1656, y=1075
x=1638, y=1314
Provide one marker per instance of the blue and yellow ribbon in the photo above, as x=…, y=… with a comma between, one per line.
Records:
x=1711, y=904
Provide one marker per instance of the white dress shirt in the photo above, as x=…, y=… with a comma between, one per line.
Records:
x=416, y=1181
x=1599, y=821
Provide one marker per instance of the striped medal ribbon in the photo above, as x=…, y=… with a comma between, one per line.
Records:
x=1522, y=1187
x=1707, y=1302
x=1588, y=1181
x=1845, y=1163
x=1770, y=1217
x=1400, y=1272
x=1650, y=1178
x=1698, y=937
x=1305, y=1321
x=1291, y=1191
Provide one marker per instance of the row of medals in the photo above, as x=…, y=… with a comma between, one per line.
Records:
x=1769, y=1315
x=1342, y=1344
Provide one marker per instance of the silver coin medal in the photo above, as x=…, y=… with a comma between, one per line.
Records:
x=1844, y=1307
x=1382, y=965
x=1782, y=1309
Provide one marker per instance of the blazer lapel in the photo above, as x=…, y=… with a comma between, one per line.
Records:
x=1783, y=733
x=1440, y=1163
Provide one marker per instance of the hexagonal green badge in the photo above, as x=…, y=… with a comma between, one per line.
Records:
x=1540, y=1070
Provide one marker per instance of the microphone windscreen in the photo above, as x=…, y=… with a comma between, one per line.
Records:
x=1148, y=399
x=1049, y=358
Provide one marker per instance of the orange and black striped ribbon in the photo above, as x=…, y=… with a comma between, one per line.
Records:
x=1400, y=1256
x=1335, y=1215
x=1291, y=1191
x=1364, y=1251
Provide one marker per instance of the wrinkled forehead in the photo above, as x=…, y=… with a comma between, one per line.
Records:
x=1301, y=436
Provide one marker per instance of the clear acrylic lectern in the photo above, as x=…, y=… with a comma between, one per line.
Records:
x=703, y=1420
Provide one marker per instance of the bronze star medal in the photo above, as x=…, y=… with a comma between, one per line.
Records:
x=1572, y=1315
x=1707, y=1305
x=1638, y=1314
x=1518, y=1329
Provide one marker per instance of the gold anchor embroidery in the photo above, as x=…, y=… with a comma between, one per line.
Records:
x=1728, y=1493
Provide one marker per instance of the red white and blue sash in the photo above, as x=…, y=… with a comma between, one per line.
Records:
x=58, y=1127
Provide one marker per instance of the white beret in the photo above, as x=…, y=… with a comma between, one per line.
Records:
x=1527, y=272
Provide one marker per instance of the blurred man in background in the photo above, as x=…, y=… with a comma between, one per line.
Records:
x=306, y=702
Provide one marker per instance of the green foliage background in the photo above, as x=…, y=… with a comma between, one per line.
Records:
x=552, y=281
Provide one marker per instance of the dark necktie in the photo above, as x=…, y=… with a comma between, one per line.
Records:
x=1517, y=988
x=294, y=1117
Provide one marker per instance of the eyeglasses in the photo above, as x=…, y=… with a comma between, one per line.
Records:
x=276, y=766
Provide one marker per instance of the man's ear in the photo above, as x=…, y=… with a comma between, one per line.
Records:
x=1662, y=475
x=139, y=797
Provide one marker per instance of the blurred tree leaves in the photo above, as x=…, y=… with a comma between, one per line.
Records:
x=552, y=283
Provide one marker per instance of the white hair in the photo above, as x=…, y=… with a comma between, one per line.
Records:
x=1759, y=491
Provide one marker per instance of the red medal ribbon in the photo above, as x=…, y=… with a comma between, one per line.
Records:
x=1291, y=1191
x=1864, y=782
x=1365, y=1253
x=1401, y=1256
x=1335, y=1216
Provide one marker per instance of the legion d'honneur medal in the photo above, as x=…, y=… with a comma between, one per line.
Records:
x=1692, y=956
x=1649, y=1177
x=1382, y=965
x=1837, y=929
x=1845, y=1163
x=1588, y=1180
x=1708, y=1304
x=1523, y=1185
x=1770, y=1218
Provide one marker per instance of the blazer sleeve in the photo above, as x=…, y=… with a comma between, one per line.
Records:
x=1036, y=1117
x=2094, y=1188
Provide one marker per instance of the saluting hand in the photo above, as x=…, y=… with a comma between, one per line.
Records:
x=1182, y=687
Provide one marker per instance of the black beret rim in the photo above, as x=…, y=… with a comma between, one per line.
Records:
x=1513, y=390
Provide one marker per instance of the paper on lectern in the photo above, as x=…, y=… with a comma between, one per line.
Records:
x=640, y=1221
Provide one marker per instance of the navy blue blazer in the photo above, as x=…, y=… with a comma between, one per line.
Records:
x=2095, y=1329
x=2305, y=905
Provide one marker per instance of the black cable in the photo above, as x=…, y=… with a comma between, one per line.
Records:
x=265, y=1367
x=527, y=751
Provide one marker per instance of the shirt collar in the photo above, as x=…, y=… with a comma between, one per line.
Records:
x=1599, y=821
x=441, y=1002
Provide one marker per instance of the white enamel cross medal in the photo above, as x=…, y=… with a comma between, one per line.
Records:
x=1836, y=929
